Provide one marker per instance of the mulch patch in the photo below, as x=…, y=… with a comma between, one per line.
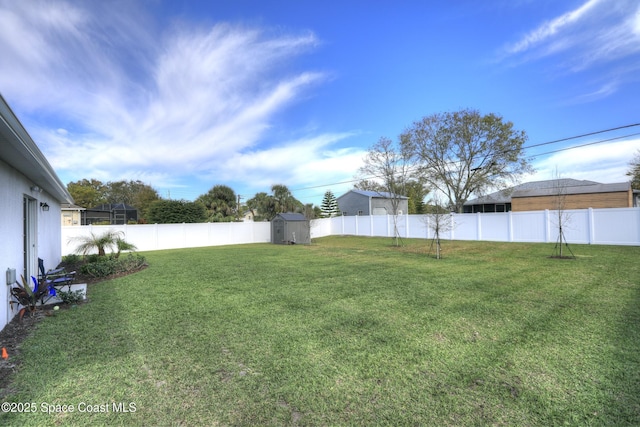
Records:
x=14, y=333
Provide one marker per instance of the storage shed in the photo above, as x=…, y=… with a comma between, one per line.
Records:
x=289, y=229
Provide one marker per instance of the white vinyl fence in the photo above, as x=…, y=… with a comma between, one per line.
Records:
x=149, y=237
x=586, y=226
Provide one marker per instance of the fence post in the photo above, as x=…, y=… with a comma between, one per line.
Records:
x=388, y=231
x=478, y=226
x=453, y=227
x=406, y=229
x=371, y=232
x=547, y=226
x=591, y=226
x=510, y=225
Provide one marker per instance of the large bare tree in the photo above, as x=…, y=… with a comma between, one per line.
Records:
x=390, y=164
x=464, y=152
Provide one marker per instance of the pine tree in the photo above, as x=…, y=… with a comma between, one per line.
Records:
x=329, y=205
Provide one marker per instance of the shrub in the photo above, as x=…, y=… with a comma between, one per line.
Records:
x=106, y=266
x=101, y=243
x=72, y=259
x=131, y=262
x=99, y=268
x=71, y=297
x=176, y=211
x=92, y=258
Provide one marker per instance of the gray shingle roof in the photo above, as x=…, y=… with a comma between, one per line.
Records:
x=292, y=216
x=547, y=188
x=379, y=194
x=572, y=189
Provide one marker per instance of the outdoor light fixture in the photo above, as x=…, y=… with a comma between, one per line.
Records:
x=36, y=188
x=44, y=206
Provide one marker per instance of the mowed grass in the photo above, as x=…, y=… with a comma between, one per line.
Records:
x=347, y=331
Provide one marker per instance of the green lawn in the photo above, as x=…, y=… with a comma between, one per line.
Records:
x=348, y=331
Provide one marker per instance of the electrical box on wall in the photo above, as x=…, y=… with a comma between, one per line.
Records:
x=11, y=276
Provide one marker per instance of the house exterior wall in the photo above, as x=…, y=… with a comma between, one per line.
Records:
x=621, y=199
x=379, y=204
x=352, y=203
x=358, y=204
x=11, y=195
x=71, y=217
x=15, y=187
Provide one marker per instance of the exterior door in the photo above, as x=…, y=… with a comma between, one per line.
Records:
x=29, y=233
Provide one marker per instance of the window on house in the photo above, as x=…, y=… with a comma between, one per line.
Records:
x=360, y=212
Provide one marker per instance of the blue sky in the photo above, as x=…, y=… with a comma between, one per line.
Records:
x=184, y=95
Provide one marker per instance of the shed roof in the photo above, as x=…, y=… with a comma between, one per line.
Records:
x=21, y=152
x=290, y=216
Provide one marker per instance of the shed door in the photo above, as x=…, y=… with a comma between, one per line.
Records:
x=278, y=231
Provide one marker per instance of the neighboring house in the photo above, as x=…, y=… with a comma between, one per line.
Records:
x=113, y=213
x=30, y=197
x=248, y=216
x=360, y=202
x=540, y=195
x=290, y=228
x=71, y=214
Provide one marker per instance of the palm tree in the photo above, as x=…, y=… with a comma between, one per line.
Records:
x=284, y=200
x=123, y=245
x=107, y=240
x=220, y=202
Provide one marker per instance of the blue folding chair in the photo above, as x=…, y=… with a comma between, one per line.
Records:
x=54, y=280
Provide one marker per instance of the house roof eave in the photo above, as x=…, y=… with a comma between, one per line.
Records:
x=18, y=150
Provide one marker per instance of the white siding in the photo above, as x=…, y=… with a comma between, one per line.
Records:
x=13, y=188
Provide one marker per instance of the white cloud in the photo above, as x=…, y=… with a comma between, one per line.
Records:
x=303, y=162
x=596, y=34
x=121, y=101
x=606, y=163
x=551, y=28
x=605, y=90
